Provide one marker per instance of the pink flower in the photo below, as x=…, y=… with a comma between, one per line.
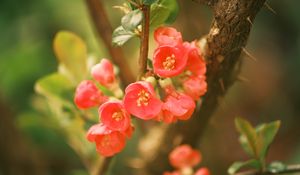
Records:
x=202, y=171
x=140, y=100
x=177, y=106
x=169, y=61
x=88, y=95
x=108, y=142
x=184, y=156
x=172, y=173
x=167, y=36
x=195, y=87
x=103, y=72
x=114, y=116
x=195, y=63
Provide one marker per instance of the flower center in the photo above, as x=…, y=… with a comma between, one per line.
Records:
x=143, y=99
x=106, y=141
x=117, y=116
x=169, y=63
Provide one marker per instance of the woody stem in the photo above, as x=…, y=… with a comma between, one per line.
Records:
x=144, y=47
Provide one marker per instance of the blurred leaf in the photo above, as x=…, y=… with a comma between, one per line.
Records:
x=174, y=10
x=276, y=166
x=164, y=11
x=149, y=2
x=236, y=166
x=54, y=85
x=120, y=36
x=247, y=131
x=131, y=20
x=265, y=135
x=71, y=53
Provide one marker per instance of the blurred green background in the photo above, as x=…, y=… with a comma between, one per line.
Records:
x=31, y=143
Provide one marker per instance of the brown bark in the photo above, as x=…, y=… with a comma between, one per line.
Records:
x=228, y=35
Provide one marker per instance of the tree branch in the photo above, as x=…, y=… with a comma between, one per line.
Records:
x=105, y=30
x=144, y=47
x=228, y=35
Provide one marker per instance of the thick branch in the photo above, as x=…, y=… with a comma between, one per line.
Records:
x=104, y=30
x=144, y=47
x=228, y=35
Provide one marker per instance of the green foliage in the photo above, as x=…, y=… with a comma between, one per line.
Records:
x=58, y=89
x=236, y=166
x=149, y=2
x=163, y=11
x=131, y=20
x=255, y=142
x=120, y=36
x=71, y=53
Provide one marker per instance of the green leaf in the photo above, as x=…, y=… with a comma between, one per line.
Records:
x=131, y=20
x=276, y=167
x=265, y=136
x=174, y=10
x=54, y=86
x=121, y=36
x=149, y=2
x=164, y=11
x=249, y=134
x=71, y=52
x=236, y=166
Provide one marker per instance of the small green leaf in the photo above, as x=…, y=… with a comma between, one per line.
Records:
x=164, y=11
x=265, y=136
x=54, y=85
x=236, y=166
x=276, y=167
x=247, y=131
x=149, y=2
x=131, y=20
x=71, y=52
x=121, y=36
x=174, y=10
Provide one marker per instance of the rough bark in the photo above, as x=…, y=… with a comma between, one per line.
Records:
x=228, y=35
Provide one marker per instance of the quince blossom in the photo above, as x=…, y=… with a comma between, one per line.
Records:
x=140, y=100
x=184, y=156
x=113, y=115
x=103, y=72
x=167, y=36
x=87, y=95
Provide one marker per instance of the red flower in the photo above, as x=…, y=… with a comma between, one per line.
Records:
x=202, y=171
x=169, y=61
x=140, y=100
x=177, y=106
x=88, y=95
x=172, y=173
x=167, y=36
x=184, y=156
x=114, y=116
x=195, y=87
x=103, y=72
x=195, y=63
x=108, y=142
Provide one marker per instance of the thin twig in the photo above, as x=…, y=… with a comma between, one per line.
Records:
x=144, y=47
x=105, y=165
x=288, y=170
x=104, y=30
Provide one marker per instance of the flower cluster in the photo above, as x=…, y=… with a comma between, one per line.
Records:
x=167, y=93
x=184, y=158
